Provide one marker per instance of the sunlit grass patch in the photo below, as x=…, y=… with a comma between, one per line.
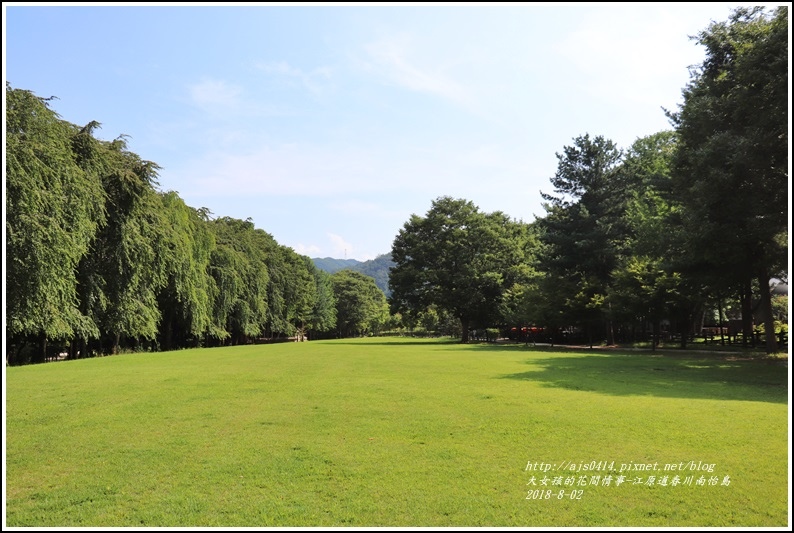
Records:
x=392, y=432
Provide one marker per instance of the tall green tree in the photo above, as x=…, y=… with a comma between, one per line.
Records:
x=97, y=254
x=53, y=210
x=126, y=269
x=456, y=258
x=299, y=292
x=647, y=283
x=361, y=307
x=521, y=305
x=292, y=290
x=323, y=315
x=583, y=229
x=732, y=166
x=238, y=266
x=186, y=299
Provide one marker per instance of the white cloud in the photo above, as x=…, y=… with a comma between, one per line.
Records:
x=349, y=174
x=315, y=80
x=336, y=247
x=339, y=246
x=639, y=53
x=215, y=95
x=220, y=99
x=358, y=207
x=310, y=250
x=282, y=170
x=394, y=60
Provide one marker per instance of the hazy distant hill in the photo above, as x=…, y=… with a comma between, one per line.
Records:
x=331, y=265
x=377, y=268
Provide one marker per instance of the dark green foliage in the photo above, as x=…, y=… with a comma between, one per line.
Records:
x=731, y=170
x=583, y=229
x=53, y=209
x=361, y=307
x=127, y=265
x=323, y=315
x=457, y=259
x=377, y=269
x=186, y=300
x=293, y=292
x=99, y=261
x=238, y=266
x=647, y=282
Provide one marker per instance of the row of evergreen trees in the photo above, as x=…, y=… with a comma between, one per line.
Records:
x=681, y=222
x=99, y=260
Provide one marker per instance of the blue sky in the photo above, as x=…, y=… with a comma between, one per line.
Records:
x=329, y=126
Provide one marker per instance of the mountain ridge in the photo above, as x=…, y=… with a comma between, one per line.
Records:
x=377, y=268
x=331, y=265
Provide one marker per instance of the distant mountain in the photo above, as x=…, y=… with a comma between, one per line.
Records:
x=377, y=268
x=331, y=265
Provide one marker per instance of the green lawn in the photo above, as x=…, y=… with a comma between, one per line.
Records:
x=390, y=432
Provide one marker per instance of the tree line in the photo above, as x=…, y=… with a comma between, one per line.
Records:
x=681, y=222
x=98, y=260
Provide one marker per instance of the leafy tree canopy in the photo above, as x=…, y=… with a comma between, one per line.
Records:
x=456, y=258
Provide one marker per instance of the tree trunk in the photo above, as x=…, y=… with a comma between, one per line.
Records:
x=589, y=334
x=685, y=326
x=14, y=350
x=167, y=329
x=766, y=310
x=655, y=334
x=719, y=321
x=701, y=321
x=747, y=311
x=42, y=356
x=610, y=327
x=464, y=326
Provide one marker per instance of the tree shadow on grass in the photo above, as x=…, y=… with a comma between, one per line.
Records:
x=643, y=374
x=414, y=342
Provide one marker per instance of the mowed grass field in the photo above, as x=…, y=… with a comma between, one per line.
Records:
x=396, y=432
